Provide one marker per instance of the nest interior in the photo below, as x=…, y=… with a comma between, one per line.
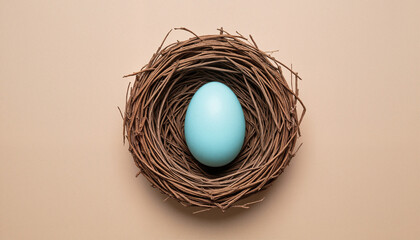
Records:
x=157, y=102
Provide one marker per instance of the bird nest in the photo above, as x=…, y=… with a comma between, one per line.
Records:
x=157, y=103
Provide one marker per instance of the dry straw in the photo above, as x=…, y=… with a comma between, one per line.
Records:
x=157, y=103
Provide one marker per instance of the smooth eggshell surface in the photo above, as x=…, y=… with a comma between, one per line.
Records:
x=214, y=125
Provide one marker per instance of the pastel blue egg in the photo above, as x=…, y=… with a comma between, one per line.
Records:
x=214, y=125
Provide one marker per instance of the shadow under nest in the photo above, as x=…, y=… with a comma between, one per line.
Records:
x=157, y=103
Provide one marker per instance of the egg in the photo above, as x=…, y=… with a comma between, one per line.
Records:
x=214, y=125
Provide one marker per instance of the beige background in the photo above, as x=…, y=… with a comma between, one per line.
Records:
x=65, y=174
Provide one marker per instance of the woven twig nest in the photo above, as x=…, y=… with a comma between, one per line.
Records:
x=157, y=104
